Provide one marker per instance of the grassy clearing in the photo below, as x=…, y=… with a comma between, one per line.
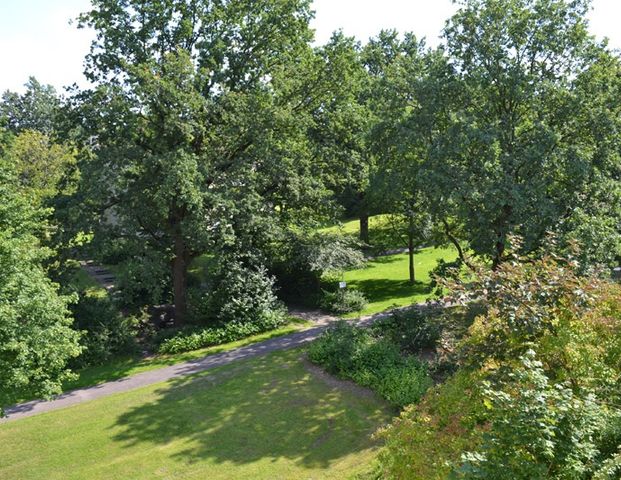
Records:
x=261, y=419
x=385, y=283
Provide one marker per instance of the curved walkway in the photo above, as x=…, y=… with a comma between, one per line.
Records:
x=285, y=342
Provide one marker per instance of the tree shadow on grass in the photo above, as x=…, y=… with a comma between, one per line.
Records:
x=268, y=408
x=379, y=290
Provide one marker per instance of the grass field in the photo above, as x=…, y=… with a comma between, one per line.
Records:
x=127, y=366
x=122, y=367
x=267, y=418
x=385, y=280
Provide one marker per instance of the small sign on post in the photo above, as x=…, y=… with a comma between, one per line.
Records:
x=342, y=285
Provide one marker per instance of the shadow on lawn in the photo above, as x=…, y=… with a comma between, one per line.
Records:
x=378, y=290
x=272, y=408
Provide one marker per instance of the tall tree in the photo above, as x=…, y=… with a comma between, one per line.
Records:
x=513, y=159
x=340, y=127
x=35, y=109
x=200, y=119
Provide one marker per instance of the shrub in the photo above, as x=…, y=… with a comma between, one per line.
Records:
x=572, y=321
x=245, y=294
x=413, y=330
x=553, y=416
x=426, y=438
x=339, y=348
x=537, y=429
x=302, y=259
x=353, y=353
x=343, y=301
x=194, y=338
x=143, y=281
x=105, y=331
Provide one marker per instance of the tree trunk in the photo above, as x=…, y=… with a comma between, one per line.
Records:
x=411, y=255
x=456, y=244
x=180, y=273
x=500, y=250
x=364, y=227
x=411, y=247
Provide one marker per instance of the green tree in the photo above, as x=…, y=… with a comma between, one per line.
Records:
x=200, y=117
x=36, y=338
x=340, y=126
x=409, y=107
x=43, y=168
x=517, y=156
x=35, y=109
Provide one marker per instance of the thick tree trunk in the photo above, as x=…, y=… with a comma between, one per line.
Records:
x=180, y=273
x=364, y=228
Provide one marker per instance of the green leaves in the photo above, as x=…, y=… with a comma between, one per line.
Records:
x=36, y=338
x=537, y=430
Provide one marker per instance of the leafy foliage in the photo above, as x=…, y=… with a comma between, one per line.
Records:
x=343, y=300
x=36, y=338
x=425, y=440
x=201, y=112
x=34, y=110
x=194, y=338
x=537, y=429
x=543, y=359
x=105, y=331
x=353, y=353
x=245, y=294
x=143, y=280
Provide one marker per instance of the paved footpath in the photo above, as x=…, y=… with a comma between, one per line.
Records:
x=285, y=342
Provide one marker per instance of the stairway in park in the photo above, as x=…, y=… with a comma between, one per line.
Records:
x=100, y=274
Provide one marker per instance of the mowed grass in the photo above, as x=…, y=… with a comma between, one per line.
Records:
x=385, y=280
x=121, y=367
x=125, y=366
x=267, y=418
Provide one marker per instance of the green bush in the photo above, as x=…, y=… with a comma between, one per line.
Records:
x=553, y=414
x=427, y=438
x=105, y=331
x=377, y=363
x=194, y=338
x=343, y=301
x=143, y=281
x=245, y=294
x=536, y=429
x=413, y=330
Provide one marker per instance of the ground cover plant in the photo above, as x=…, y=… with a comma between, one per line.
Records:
x=354, y=353
x=266, y=418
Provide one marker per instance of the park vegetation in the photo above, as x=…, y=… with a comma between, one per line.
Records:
x=218, y=150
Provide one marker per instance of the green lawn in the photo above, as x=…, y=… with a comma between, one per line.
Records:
x=122, y=367
x=127, y=366
x=267, y=418
x=352, y=227
x=385, y=283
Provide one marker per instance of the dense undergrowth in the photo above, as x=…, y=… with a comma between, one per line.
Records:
x=535, y=390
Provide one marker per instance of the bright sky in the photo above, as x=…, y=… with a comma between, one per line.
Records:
x=36, y=38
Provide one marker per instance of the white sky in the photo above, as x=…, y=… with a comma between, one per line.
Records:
x=36, y=38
